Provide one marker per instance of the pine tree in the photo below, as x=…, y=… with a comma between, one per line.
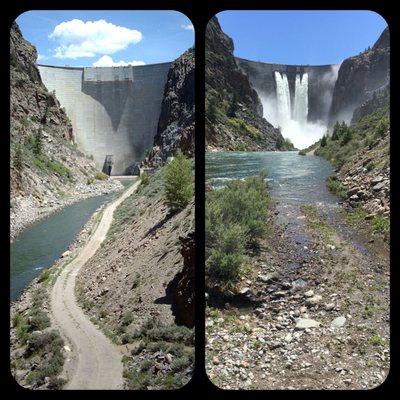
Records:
x=323, y=141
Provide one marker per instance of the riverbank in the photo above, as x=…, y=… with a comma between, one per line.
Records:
x=27, y=210
x=28, y=364
x=314, y=310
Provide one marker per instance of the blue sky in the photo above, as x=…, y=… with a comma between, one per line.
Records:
x=301, y=37
x=80, y=38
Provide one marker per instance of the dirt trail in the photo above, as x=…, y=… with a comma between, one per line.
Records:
x=95, y=362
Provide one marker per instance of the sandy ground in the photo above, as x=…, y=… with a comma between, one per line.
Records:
x=95, y=362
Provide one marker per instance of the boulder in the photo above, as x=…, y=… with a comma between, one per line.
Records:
x=306, y=323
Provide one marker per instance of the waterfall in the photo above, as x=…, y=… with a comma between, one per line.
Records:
x=300, y=107
x=283, y=97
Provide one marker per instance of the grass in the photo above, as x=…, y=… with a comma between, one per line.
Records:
x=377, y=225
x=246, y=128
x=336, y=187
x=376, y=340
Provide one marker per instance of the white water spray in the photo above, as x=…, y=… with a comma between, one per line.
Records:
x=293, y=123
x=282, y=97
x=300, y=107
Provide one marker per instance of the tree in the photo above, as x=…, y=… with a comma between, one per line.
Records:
x=336, y=131
x=347, y=135
x=323, y=141
x=178, y=182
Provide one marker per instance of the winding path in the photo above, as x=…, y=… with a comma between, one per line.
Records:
x=95, y=362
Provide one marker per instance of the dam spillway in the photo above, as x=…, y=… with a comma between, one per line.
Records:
x=114, y=111
x=320, y=84
x=295, y=98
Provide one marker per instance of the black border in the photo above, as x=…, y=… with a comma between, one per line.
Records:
x=199, y=13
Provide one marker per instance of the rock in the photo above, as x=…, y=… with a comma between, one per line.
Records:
x=66, y=254
x=245, y=290
x=329, y=306
x=269, y=277
x=313, y=301
x=338, y=322
x=378, y=187
x=306, y=323
x=377, y=179
x=309, y=293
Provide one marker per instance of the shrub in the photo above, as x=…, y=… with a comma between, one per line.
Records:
x=18, y=158
x=144, y=178
x=370, y=166
x=44, y=276
x=178, y=182
x=336, y=187
x=100, y=176
x=37, y=143
x=127, y=319
x=236, y=218
x=381, y=225
x=382, y=127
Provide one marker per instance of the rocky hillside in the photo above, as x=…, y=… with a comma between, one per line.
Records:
x=359, y=77
x=176, y=126
x=139, y=287
x=361, y=154
x=233, y=110
x=46, y=169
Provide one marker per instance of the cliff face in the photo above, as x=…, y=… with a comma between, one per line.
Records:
x=46, y=169
x=233, y=109
x=176, y=126
x=359, y=77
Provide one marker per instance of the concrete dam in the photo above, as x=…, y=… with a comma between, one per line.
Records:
x=114, y=111
x=296, y=98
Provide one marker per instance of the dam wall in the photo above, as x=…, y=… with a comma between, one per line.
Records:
x=321, y=83
x=114, y=111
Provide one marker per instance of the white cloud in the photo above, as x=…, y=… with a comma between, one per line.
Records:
x=188, y=27
x=41, y=57
x=87, y=39
x=107, y=61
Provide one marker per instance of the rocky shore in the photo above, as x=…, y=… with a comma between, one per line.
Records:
x=312, y=312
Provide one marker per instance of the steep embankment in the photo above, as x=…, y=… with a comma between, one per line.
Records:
x=361, y=151
x=176, y=126
x=47, y=171
x=359, y=77
x=233, y=110
x=139, y=287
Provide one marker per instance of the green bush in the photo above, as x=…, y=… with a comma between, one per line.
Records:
x=236, y=219
x=101, y=176
x=144, y=178
x=381, y=225
x=178, y=182
x=18, y=158
x=336, y=187
x=382, y=127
